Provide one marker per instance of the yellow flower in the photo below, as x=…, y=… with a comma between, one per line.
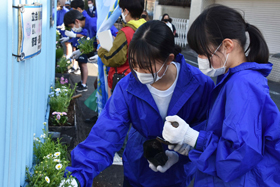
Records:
x=36, y=171
x=47, y=179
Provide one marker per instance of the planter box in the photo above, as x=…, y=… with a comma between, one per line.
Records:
x=67, y=133
x=65, y=75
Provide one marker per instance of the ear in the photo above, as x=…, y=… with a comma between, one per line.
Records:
x=126, y=11
x=170, y=58
x=80, y=10
x=229, y=45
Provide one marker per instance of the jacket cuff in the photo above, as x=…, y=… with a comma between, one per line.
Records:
x=78, y=179
x=200, y=141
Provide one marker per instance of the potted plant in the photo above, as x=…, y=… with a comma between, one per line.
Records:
x=62, y=110
x=61, y=69
x=59, y=49
x=51, y=159
x=86, y=46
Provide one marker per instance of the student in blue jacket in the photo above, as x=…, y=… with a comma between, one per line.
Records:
x=240, y=145
x=160, y=85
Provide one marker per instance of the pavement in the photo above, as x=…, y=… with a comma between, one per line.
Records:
x=113, y=175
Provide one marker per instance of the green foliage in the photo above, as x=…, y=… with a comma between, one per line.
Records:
x=57, y=35
x=44, y=145
x=62, y=65
x=86, y=45
x=51, y=162
x=59, y=118
x=58, y=44
x=60, y=99
x=59, y=53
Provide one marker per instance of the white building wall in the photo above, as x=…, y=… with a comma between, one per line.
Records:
x=173, y=11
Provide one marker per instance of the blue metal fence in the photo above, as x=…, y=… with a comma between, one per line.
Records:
x=24, y=92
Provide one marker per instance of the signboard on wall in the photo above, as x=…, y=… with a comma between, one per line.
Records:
x=30, y=31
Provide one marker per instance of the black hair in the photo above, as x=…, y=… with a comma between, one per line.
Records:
x=135, y=7
x=219, y=22
x=71, y=16
x=169, y=19
x=78, y=4
x=153, y=41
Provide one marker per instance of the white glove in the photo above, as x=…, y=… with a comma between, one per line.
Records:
x=183, y=149
x=71, y=34
x=93, y=59
x=173, y=158
x=64, y=39
x=76, y=54
x=180, y=135
x=70, y=181
x=62, y=27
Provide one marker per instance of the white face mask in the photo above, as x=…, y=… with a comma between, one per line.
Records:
x=123, y=17
x=79, y=29
x=148, y=78
x=203, y=65
x=90, y=5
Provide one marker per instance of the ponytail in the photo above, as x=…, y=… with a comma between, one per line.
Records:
x=258, y=48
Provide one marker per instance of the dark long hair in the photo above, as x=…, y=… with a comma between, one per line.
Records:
x=219, y=22
x=153, y=41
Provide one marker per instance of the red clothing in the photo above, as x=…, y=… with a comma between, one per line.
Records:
x=128, y=31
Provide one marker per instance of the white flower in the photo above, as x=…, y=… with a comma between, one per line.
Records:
x=88, y=38
x=48, y=156
x=36, y=139
x=57, y=90
x=58, y=166
x=56, y=160
x=34, y=134
x=43, y=136
x=56, y=154
x=65, y=90
x=45, y=123
x=51, y=94
x=47, y=179
x=64, y=87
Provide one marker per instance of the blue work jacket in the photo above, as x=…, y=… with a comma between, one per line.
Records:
x=241, y=143
x=132, y=103
x=90, y=24
x=60, y=18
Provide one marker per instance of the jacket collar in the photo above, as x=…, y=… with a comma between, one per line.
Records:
x=264, y=69
x=186, y=86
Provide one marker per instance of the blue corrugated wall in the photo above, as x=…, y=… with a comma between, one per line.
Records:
x=24, y=92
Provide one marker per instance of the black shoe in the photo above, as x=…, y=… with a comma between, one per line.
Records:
x=81, y=88
x=79, y=83
x=91, y=120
